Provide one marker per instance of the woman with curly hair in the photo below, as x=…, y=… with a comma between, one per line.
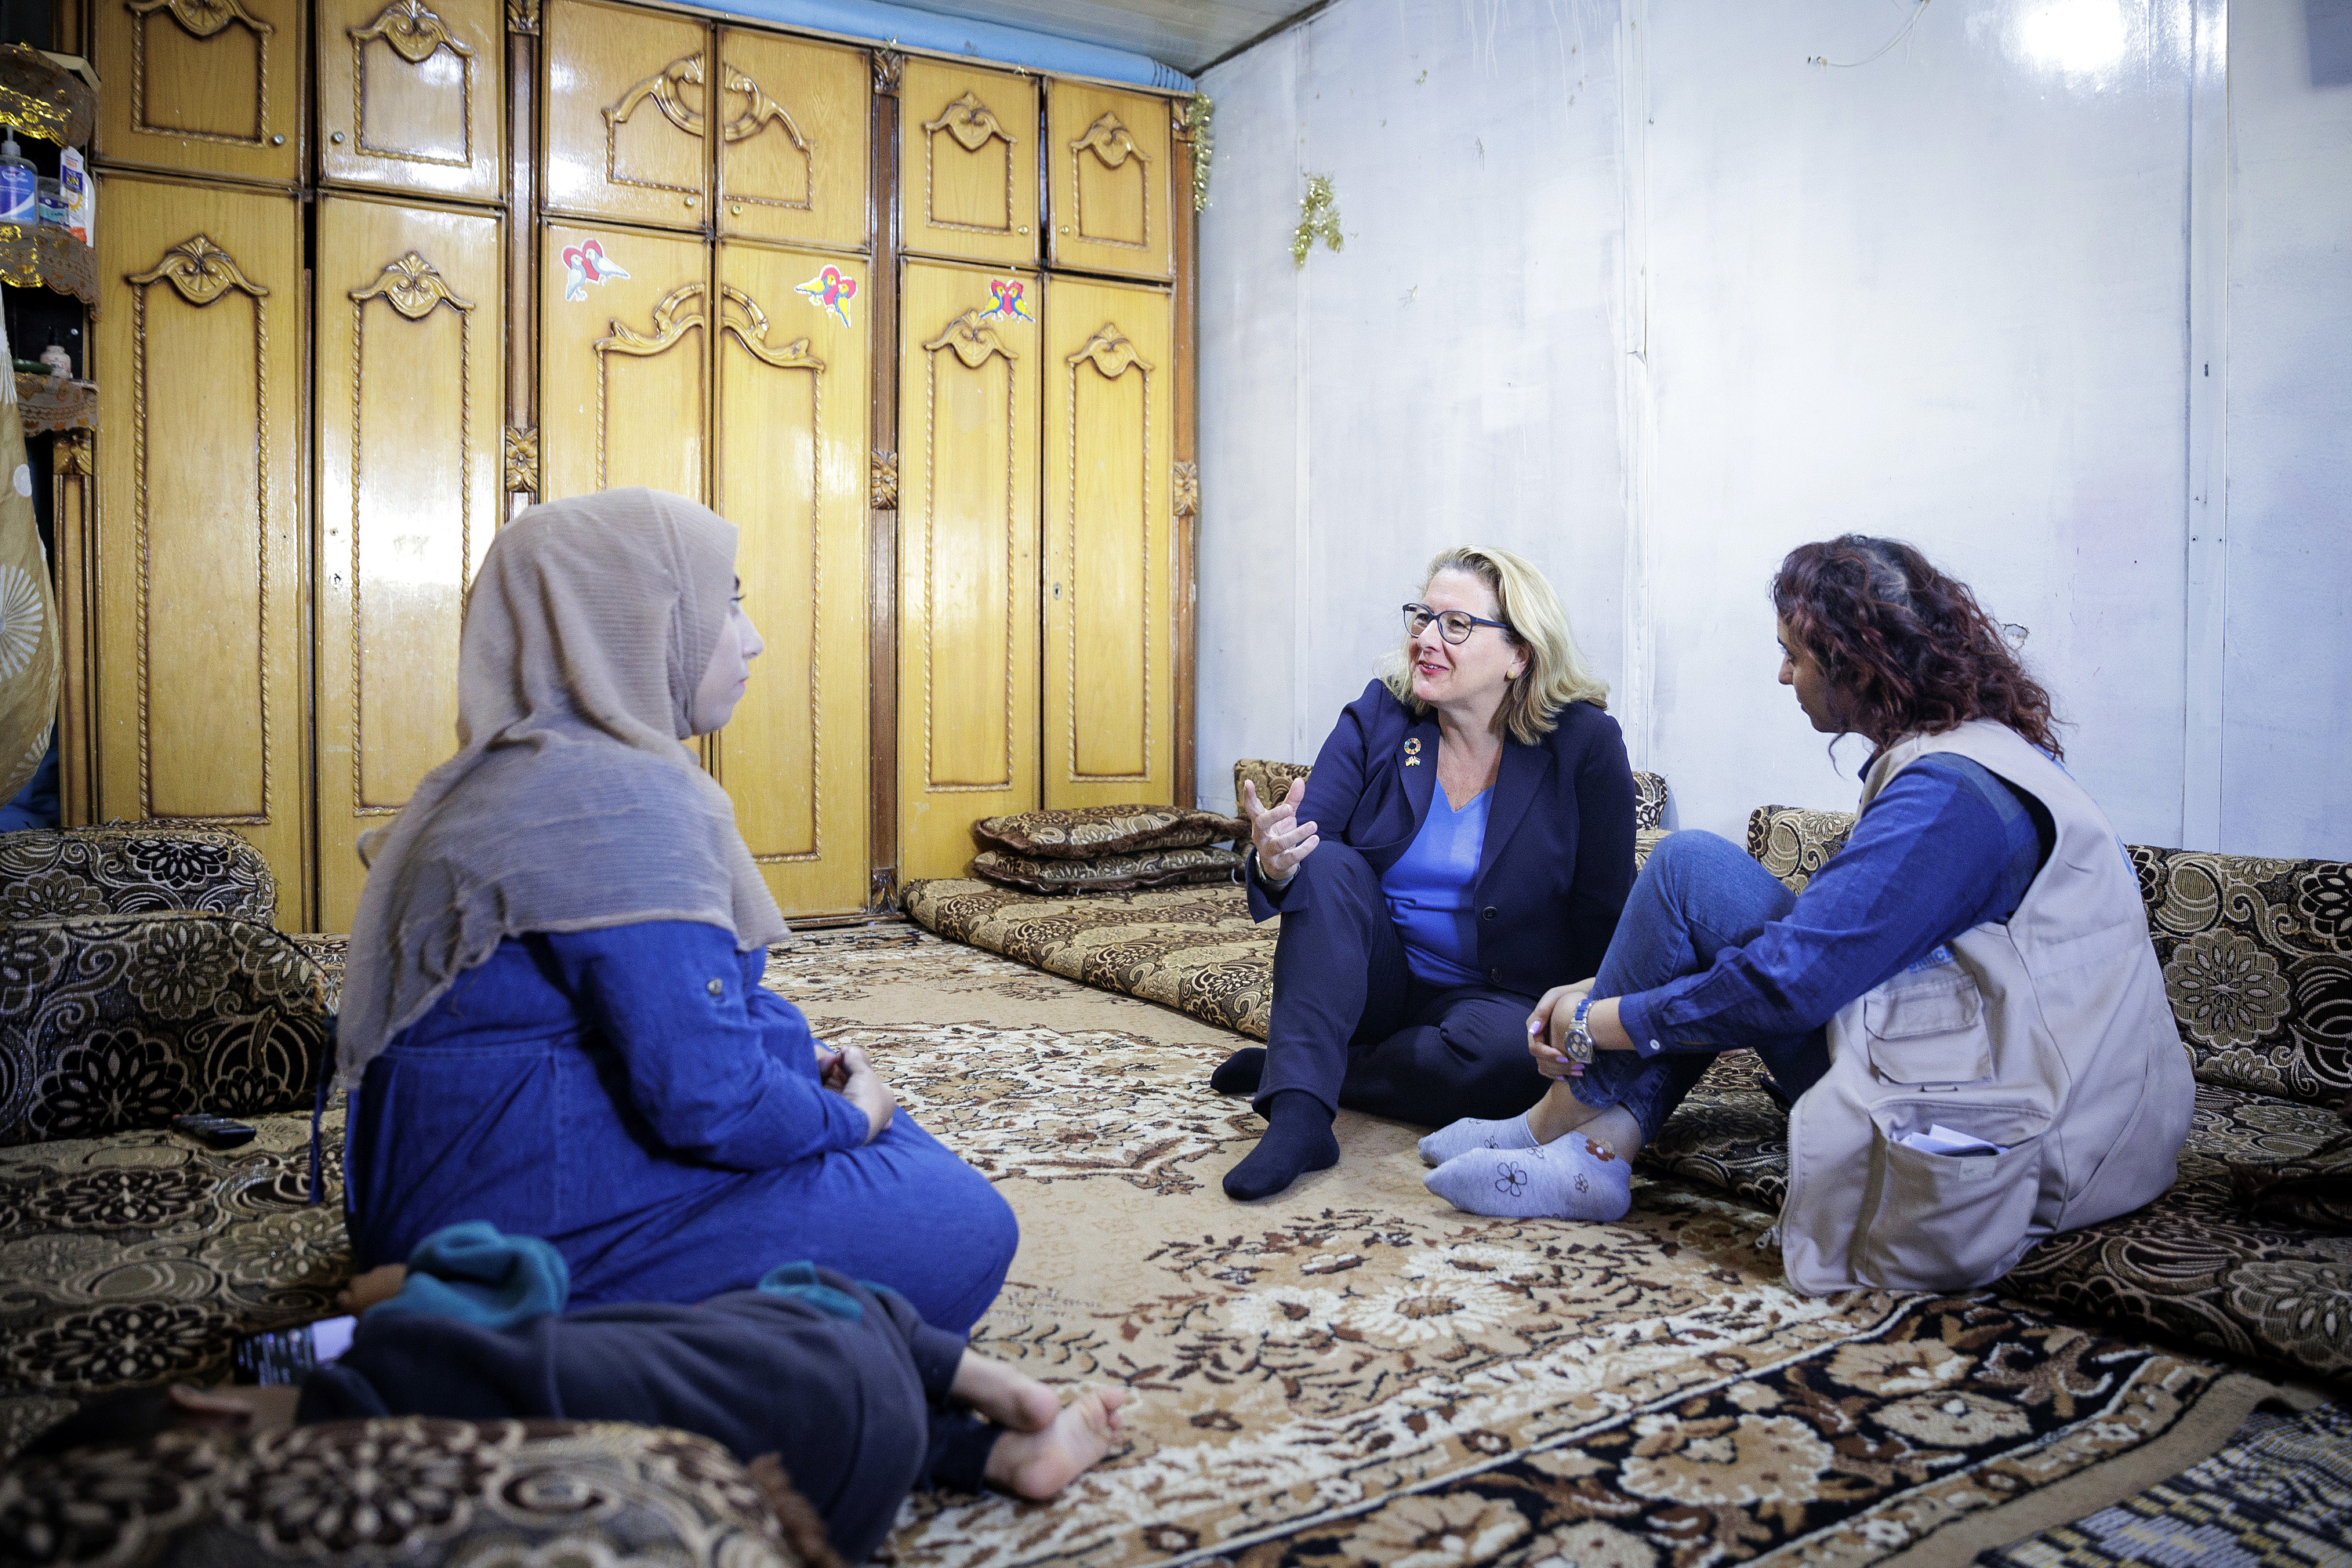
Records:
x=1963, y=1006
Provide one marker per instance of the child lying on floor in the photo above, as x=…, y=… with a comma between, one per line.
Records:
x=842, y=1383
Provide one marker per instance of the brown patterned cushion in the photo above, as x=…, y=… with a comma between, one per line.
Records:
x=115, y=1022
x=1274, y=778
x=406, y=1490
x=2257, y=956
x=1106, y=873
x=1793, y=842
x=1088, y=831
x=45, y=874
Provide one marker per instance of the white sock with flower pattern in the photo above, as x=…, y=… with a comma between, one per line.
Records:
x=1571, y=1177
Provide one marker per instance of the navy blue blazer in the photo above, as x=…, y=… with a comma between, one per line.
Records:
x=1558, y=857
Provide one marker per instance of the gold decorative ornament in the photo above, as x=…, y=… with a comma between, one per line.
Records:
x=971, y=124
x=889, y=67
x=412, y=285
x=1110, y=350
x=1318, y=218
x=522, y=459
x=75, y=456
x=412, y=31
x=202, y=18
x=972, y=339
x=1184, y=489
x=522, y=17
x=882, y=488
x=1192, y=127
x=201, y=271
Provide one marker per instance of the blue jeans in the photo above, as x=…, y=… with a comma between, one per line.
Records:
x=1697, y=895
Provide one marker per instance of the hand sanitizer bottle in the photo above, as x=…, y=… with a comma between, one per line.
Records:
x=19, y=185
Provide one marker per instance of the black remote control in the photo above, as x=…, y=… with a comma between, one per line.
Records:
x=218, y=1130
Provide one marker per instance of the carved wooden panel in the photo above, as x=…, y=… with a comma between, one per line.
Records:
x=409, y=376
x=200, y=705
x=795, y=160
x=1109, y=582
x=968, y=635
x=624, y=364
x=409, y=93
x=790, y=463
x=211, y=86
x=1108, y=154
x=627, y=105
x=967, y=162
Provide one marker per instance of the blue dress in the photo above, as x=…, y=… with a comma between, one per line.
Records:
x=637, y=1098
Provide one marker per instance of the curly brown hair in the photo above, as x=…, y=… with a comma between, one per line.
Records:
x=1904, y=649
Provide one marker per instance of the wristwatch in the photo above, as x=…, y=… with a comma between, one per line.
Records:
x=1577, y=1047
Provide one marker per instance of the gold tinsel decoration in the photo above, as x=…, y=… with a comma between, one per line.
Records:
x=1197, y=115
x=1318, y=218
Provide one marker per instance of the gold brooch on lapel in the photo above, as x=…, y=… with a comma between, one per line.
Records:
x=1412, y=752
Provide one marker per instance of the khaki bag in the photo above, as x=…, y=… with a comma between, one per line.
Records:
x=2050, y=1036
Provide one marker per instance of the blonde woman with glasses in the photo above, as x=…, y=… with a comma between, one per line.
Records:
x=1465, y=843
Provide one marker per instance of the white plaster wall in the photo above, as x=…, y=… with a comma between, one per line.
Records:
x=1940, y=297
x=2286, y=688
x=1661, y=330
x=1448, y=377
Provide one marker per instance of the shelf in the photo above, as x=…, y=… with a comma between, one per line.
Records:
x=42, y=253
x=52, y=403
x=41, y=96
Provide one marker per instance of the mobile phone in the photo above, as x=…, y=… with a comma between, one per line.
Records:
x=284, y=1356
x=218, y=1130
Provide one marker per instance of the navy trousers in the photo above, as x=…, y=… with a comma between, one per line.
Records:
x=1354, y=1027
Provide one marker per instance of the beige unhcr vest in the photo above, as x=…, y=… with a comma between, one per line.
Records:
x=2050, y=1035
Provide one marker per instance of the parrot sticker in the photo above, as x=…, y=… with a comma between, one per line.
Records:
x=1008, y=301
x=831, y=293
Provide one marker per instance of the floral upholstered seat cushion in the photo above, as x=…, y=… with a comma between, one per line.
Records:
x=1090, y=832
x=45, y=874
x=410, y=1490
x=1107, y=873
x=115, y=1022
x=1274, y=778
x=2257, y=959
x=139, y=1258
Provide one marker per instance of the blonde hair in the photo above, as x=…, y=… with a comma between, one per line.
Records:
x=1556, y=674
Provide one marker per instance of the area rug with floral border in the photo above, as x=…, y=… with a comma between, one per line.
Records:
x=1349, y=1371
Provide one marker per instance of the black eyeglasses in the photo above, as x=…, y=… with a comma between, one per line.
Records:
x=1454, y=626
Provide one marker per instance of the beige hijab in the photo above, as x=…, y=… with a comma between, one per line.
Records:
x=570, y=805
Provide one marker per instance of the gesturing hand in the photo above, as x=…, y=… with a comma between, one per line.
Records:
x=1282, y=841
x=863, y=1088
x=1547, y=1029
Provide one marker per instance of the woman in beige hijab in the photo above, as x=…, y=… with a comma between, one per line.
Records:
x=552, y=1015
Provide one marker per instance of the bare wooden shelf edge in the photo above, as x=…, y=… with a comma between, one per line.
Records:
x=40, y=96
x=53, y=403
x=37, y=253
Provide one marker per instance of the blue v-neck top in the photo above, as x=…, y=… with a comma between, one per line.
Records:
x=1429, y=891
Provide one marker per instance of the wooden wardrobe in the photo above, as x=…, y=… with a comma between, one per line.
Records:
x=375, y=276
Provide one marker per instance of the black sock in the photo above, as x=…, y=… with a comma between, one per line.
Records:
x=1240, y=1072
x=1297, y=1139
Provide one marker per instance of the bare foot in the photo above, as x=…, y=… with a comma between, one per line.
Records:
x=1003, y=1395
x=378, y=1284
x=1559, y=1113
x=1036, y=1464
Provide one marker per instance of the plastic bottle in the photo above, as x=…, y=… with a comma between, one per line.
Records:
x=51, y=203
x=19, y=185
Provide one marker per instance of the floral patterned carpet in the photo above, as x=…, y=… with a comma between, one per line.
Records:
x=1349, y=1371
